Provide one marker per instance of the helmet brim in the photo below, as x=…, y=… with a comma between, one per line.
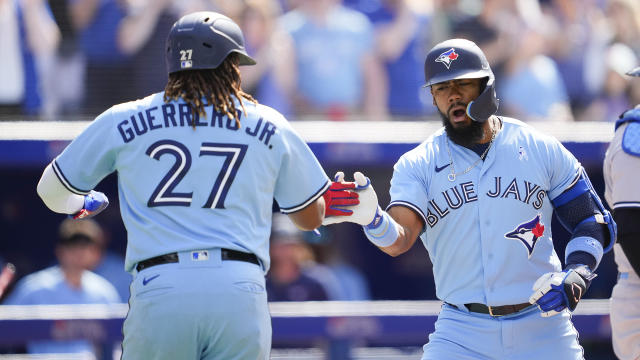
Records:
x=478, y=74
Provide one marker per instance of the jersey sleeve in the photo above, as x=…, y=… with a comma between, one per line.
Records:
x=563, y=168
x=89, y=158
x=409, y=186
x=301, y=179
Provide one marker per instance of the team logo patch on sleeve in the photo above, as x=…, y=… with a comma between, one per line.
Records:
x=447, y=57
x=528, y=233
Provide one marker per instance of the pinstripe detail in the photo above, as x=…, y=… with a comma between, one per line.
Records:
x=313, y=197
x=410, y=206
x=626, y=204
x=65, y=182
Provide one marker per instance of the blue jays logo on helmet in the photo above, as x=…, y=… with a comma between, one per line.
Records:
x=447, y=57
x=528, y=233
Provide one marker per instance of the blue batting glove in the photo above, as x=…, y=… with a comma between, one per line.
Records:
x=94, y=203
x=554, y=292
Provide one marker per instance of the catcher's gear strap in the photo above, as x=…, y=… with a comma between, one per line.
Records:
x=629, y=234
x=582, y=213
x=56, y=196
x=383, y=230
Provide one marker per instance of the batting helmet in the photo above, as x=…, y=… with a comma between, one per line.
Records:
x=634, y=72
x=462, y=59
x=202, y=40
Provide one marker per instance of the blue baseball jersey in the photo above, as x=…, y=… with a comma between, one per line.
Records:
x=190, y=182
x=488, y=232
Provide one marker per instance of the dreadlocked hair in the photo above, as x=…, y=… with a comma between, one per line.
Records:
x=217, y=87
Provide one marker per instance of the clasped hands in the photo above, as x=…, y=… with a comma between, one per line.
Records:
x=354, y=202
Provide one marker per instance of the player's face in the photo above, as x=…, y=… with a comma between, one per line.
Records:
x=452, y=97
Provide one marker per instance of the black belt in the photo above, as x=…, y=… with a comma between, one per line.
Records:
x=226, y=254
x=501, y=310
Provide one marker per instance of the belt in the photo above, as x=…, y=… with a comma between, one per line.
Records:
x=226, y=254
x=623, y=275
x=495, y=311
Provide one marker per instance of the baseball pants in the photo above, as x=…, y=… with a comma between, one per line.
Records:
x=625, y=316
x=464, y=335
x=198, y=309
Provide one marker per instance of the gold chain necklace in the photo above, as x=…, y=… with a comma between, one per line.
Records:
x=453, y=174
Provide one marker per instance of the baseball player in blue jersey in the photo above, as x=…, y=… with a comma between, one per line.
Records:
x=480, y=194
x=621, y=171
x=198, y=168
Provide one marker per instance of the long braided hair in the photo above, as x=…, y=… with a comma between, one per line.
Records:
x=217, y=87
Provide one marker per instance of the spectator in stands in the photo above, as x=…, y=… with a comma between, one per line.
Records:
x=528, y=71
x=402, y=38
x=624, y=19
x=492, y=31
x=287, y=279
x=273, y=79
x=106, y=263
x=66, y=66
x=579, y=38
x=141, y=35
x=27, y=33
x=108, y=72
x=614, y=97
x=333, y=255
x=337, y=71
x=69, y=282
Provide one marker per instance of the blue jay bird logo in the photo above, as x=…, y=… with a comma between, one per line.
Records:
x=447, y=57
x=528, y=233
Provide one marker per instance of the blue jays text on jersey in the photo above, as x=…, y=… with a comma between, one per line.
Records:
x=174, y=115
x=488, y=233
x=464, y=193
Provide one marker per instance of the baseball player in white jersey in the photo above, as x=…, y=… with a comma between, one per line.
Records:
x=198, y=168
x=480, y=194
x=621, y=172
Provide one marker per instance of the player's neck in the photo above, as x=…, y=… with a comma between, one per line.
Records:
x=491, y=126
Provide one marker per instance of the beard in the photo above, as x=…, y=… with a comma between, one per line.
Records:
x=466, y=135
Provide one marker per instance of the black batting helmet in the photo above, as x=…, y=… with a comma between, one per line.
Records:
x=634, y=72
x=202, y=40
x=462, y=59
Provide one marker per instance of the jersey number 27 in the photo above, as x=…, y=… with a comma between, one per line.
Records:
x=165, y=194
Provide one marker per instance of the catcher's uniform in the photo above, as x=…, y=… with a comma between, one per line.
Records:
x=621, y=174
x=196, y=198
x=488, y=234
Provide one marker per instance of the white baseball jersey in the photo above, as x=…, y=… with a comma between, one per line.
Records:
x=184, y=188
x=621, y=171
x=488, y=232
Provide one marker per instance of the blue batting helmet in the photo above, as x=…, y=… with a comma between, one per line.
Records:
x=202, y=40
x=462, y=59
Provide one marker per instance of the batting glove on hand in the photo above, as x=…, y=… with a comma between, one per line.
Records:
x=338, y=196
x=94, y=203
x=556, y=291
x=365, y=209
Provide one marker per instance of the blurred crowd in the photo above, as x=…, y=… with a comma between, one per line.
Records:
x=557, y=60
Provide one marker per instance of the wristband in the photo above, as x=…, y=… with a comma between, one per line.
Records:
x=586, y=244
x=383, y=230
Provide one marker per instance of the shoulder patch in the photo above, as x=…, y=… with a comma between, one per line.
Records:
x=631, y=139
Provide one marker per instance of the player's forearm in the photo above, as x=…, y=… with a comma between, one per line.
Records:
x=55, y=196
x=310, y=217
x=402, y=244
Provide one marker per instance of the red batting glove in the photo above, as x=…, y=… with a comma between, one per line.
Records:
x=339, y=195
